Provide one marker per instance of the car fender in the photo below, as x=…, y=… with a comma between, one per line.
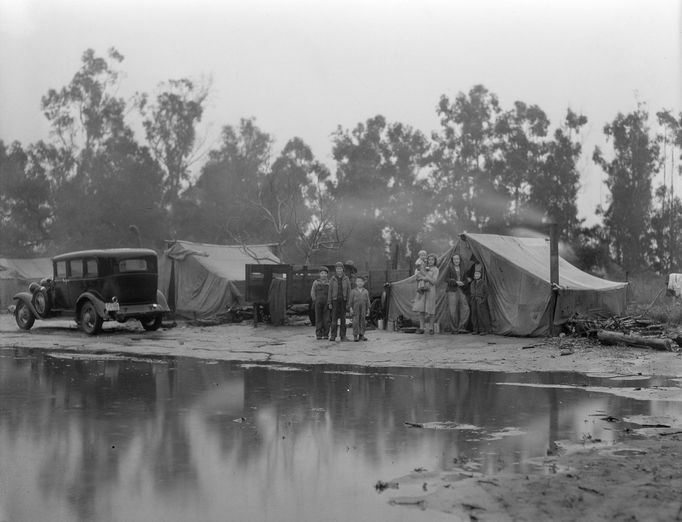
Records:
x=27, y=299
x=161, y=301
x=96, y=301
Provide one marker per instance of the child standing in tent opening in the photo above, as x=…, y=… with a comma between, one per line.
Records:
x=425, y=302
x=319, y=293
x=337, y=302
x=480, y=315
x=359, y=308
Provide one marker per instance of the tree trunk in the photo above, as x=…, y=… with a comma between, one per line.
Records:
x=613, y=338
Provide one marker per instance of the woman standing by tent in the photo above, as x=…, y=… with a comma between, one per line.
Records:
x=425, y=300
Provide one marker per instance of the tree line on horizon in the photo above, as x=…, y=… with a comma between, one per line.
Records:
x=392, y=190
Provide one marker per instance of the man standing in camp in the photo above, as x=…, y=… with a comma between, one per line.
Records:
x=319, y=293
x=457, y=299
x=337, y=301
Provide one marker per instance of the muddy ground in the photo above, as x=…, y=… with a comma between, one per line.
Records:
x=638, y=479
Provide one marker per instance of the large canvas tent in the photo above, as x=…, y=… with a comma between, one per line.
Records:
x=202, y=281
x=17, y=274
x=518, y=274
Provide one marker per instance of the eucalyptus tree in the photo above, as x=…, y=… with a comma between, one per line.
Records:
x=554, y=187
x=467, y=195
x=219, y=207
x=629, y=173
x=25, y=202
x=170, y=123
x=380, y=185
x=666, y=219
x=102, y=181
x=520, y=146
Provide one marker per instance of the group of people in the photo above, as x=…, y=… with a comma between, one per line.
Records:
x=462, y=307
x=467, y=300
x=333, y=298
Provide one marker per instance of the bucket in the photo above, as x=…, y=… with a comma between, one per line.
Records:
x=380, y=324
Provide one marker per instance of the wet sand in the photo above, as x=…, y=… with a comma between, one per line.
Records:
x=297, y=345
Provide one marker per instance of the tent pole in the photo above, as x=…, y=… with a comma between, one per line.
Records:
x=553, y=271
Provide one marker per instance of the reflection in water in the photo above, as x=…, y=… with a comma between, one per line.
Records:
x=182, y=439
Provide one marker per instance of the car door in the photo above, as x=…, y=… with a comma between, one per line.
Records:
x=76, y=281
x=61, y=286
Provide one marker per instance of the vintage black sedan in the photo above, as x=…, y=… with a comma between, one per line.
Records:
x=93, y=286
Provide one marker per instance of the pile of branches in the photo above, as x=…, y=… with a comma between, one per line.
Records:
x=630, y=325
x=632, y=330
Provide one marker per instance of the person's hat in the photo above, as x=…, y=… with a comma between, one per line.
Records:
x=324, y=269
x=339, y=264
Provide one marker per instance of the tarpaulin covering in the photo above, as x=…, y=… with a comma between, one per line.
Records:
x=17, y=274
x=202, y=281
x=517, y=272
x=277, y=301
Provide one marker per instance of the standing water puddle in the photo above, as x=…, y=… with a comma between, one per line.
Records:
x=119, y=439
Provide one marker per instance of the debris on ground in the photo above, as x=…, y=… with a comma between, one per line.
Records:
x=614, y=338
x=381, y=485
x=631, y=330
x=637, y=325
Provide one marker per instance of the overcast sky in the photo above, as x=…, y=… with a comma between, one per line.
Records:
x=302, y=68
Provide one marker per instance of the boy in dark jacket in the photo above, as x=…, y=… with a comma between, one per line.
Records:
x=319, y=293
x=480, y=316
x=337, y=302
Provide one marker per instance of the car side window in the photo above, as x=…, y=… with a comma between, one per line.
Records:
x=91, y=267
x=76, y=267
x=60, y=269
x=132, y=265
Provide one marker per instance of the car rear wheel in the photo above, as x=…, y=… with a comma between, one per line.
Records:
x=151, y=323
x=23, y=316
x=90, y=321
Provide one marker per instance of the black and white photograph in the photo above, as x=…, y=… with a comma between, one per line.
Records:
x=372, y=260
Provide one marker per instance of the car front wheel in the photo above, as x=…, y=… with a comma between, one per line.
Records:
x=23, y=316
x=42, y=302
x=151, y=323
x=90, y=321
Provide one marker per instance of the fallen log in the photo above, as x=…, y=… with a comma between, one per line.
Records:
x=611, y=338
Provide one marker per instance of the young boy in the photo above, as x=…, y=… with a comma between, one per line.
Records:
x=359, y=307
x=420, y=268
x=480, y=316
x=337, y=301
x=319, y=294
